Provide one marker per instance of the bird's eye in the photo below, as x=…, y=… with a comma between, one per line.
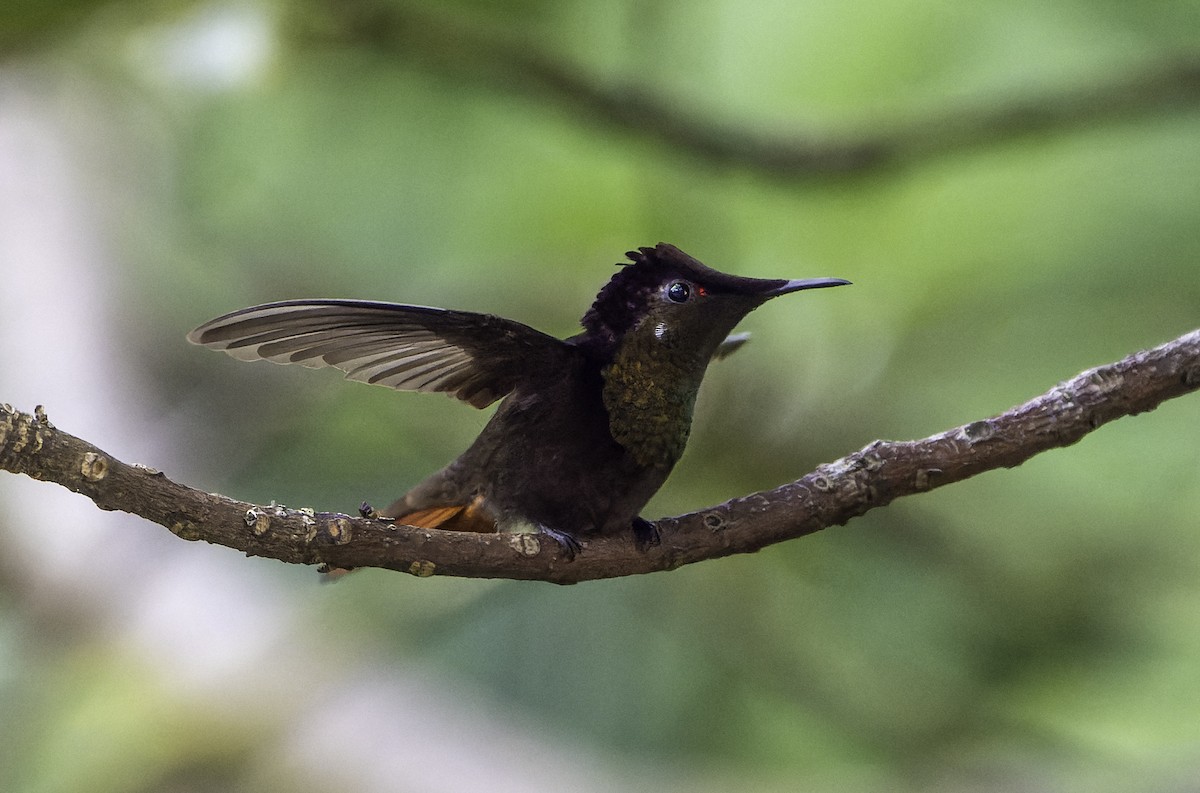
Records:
x=678, y=292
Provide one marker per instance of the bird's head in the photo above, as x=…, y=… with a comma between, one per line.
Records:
x=683, y=304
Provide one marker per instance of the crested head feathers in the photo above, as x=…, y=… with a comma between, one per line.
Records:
x=623, y=300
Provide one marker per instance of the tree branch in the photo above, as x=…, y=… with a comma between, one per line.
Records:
x=829, y=496
x=502, y=61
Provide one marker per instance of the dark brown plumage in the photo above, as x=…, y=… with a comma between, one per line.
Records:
x=589, y=427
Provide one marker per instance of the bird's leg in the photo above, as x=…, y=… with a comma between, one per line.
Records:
x=645, y=534
x=569, y=544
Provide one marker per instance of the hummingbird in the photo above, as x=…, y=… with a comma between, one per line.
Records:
x=588, y=428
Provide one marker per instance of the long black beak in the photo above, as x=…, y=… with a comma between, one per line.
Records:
x=806, y=283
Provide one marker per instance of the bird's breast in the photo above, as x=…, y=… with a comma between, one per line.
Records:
x=649, y=394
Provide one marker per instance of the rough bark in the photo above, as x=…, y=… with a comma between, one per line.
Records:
x=829, y=496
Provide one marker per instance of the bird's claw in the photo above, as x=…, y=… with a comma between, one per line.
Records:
x=567, y=542
x=645, y=534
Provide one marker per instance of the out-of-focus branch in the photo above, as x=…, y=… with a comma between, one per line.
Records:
x=829, y=496
x=453, y=47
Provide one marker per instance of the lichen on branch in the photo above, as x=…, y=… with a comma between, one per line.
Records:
x=831, y=495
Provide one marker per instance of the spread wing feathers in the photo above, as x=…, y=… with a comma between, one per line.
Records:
x=478, y=358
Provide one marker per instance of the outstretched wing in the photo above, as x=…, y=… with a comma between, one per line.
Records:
x=476, y=357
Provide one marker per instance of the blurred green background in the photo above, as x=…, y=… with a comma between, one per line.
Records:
x=1033, y=629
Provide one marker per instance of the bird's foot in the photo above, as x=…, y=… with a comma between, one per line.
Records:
x=569, y=544
x=645, y=534
x=367, y=511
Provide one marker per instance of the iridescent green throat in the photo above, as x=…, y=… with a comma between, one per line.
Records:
x=649, y=393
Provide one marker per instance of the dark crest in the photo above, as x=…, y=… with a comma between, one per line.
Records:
x=623, y=300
